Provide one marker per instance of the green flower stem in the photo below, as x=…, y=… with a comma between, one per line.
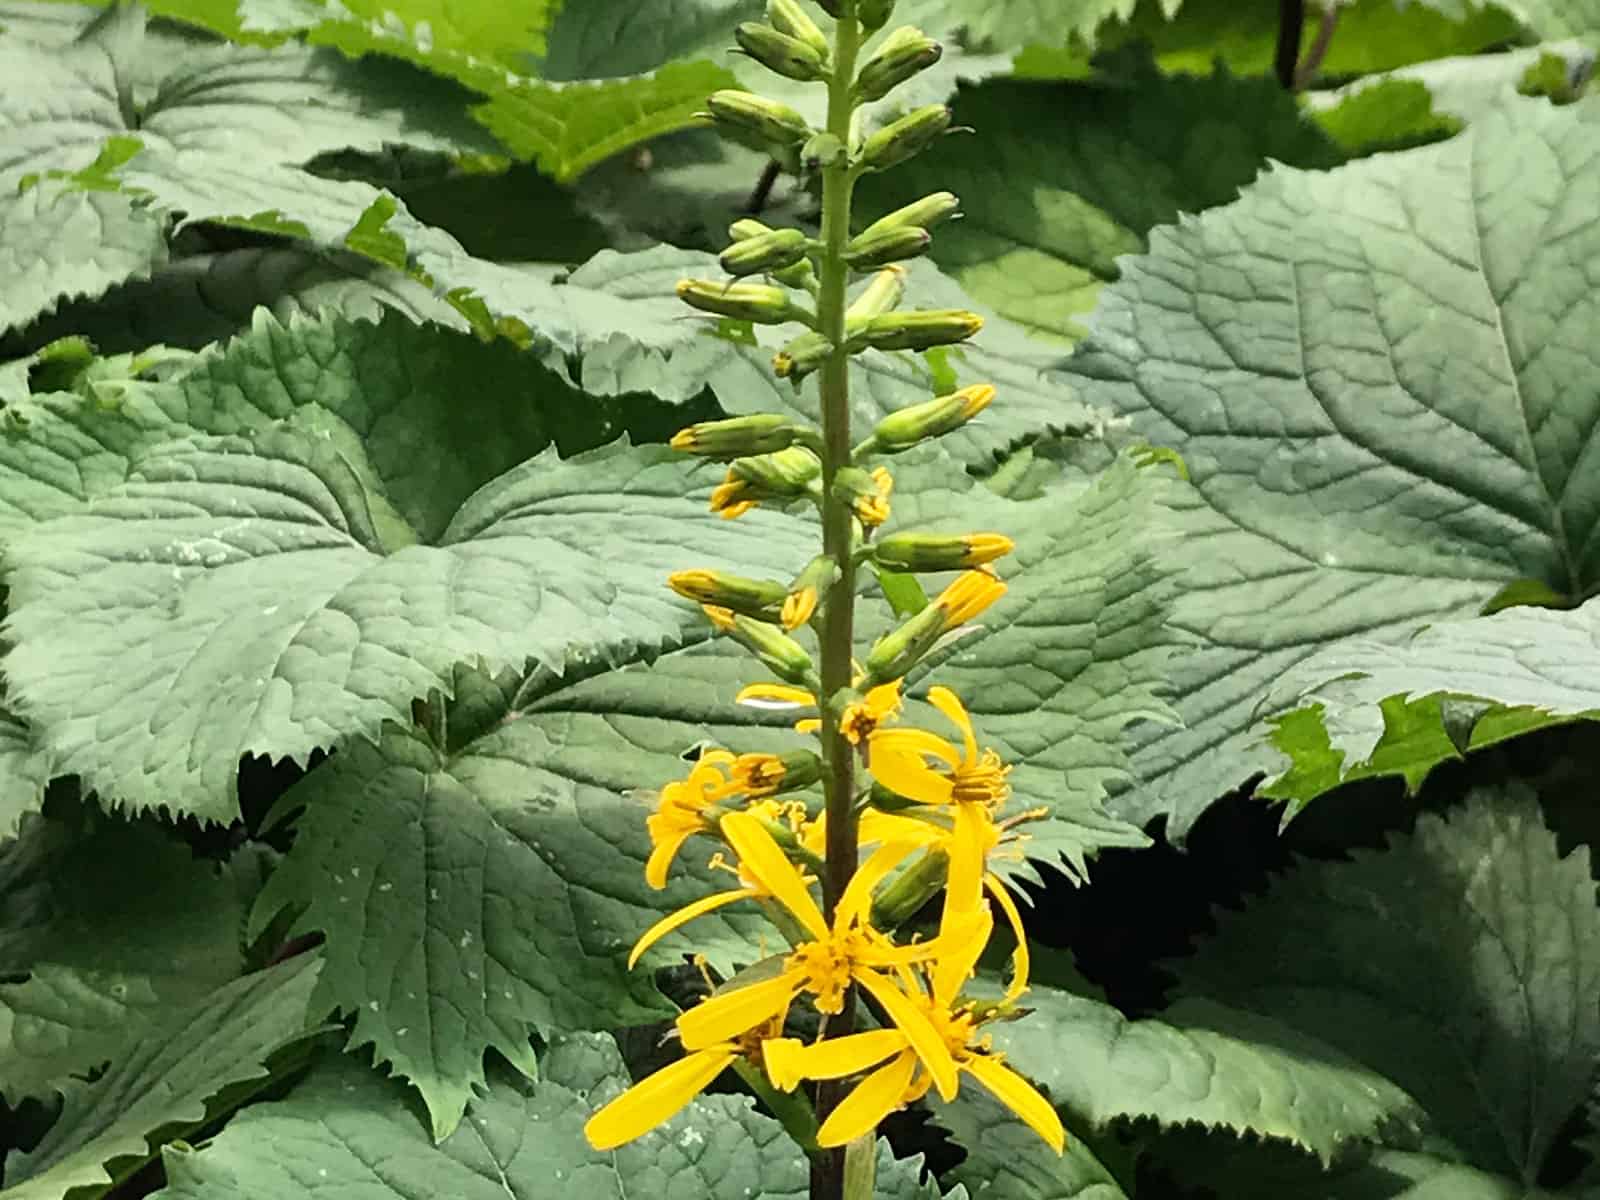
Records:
x=838, y=630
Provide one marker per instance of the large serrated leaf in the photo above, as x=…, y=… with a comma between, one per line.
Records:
x=105, y=954
x=24, y=772
x=268, y=542
x=1088, y=170
x=1462, y=963
x=1376, y=378
x=520, y=1139
x=1005, y=1160
x=162, y=1080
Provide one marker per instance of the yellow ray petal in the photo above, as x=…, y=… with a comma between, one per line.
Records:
x=765, y=694
x=789, y=1060
x=1020, y=1096
x=655, y=868
x=950, y=705
x=1019, y=956
x=726, y=1015
x=967, y=848
x=875, y=827
x=962, y=938
x=657, y=1098
x=809, y=725
x=868, y=1103
x=683, y=916
x=908, y=775
x=915, y=741
x=857, y=899
x=919, y=1031
x=766, y=862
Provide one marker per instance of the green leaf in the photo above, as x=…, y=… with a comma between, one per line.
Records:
x=1462, y=963
x=472, y=899
x=24, y=772
x=1358, y=471
x=1528, y=666
x=1008, y=1161
x=285, y=590
x=1200, y=1063
x=1389, y=114
x=520, y=1138
x=1086, y=178
x=106, y=953
x=207, y=298
x=162, y=1081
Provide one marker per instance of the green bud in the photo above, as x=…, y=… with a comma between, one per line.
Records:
x=874, y=14
x=892, y=245
x=798, y=276
x=879, y=296
x=902, y=139
x=761, y=303
x=822, y=150
x=937, y=552
x=759, y=123
x=787, y=472
x=906, y=427
x=898, y=651
x=746, y=228
x=787, y=16
x=919, y=214
x=737, y=437
x=778, y=52
x=904, y=53
x=807, y=591
x=801, y=357
x=765, y=253
x=781, y=654
x=919, y=330
x=759, y=598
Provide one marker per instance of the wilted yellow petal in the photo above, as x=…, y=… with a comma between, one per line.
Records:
x=726, y=1015
x=868, y=1103
x=765, y=861
x=657, y=1098
x=1020, y=1096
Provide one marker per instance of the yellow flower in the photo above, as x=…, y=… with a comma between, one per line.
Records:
x=848, y=951
x=872, y=509
x=899, y=1071
x=900, y=761
x=798, y=607
x=878, y=706
x=732, y=498
x=659, y=1097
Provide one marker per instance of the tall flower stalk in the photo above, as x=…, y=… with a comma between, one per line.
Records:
x=905, y=813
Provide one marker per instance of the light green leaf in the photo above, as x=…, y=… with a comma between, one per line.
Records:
x=1200, y=1063
x=1528, y=667
x=283, y=591
x=1379, y=421
x=58, y=243
x=470, y=900
x=210, y=297
x=162, y=1080
x=106, y=953
x=1006, y=1160
x=1462, y=963
x=520, y=1138
x=1086, y=178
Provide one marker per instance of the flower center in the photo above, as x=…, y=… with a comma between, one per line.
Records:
x=829, y=967
x=982, y=782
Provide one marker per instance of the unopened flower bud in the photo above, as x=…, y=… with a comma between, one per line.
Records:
x=737, y=437
x=758, y=598
x=806, y=590
x=745, y=228
x=904, y=53
x=874, y=14
x=879, y=296
x=936, y=552
x=764, y=253
x=782, y=475
x=900, y=140
x=762, y=303
x=761, y=775
x=780, y=653
x=778, y=52
x=890, y=246
x=919, y=214
x=790, y=17
x=866, y=493
x=759, y=123
x=918, y=330
x=801, y=357
x=906, y=427
x=896, y=653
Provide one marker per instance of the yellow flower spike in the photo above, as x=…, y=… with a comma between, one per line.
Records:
x=658, y=1098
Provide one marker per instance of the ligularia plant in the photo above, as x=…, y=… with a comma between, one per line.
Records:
x=906, y=811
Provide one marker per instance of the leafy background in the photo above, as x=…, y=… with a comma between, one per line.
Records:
x=338, y=666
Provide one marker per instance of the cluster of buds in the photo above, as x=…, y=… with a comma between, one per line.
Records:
x=929, y=811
